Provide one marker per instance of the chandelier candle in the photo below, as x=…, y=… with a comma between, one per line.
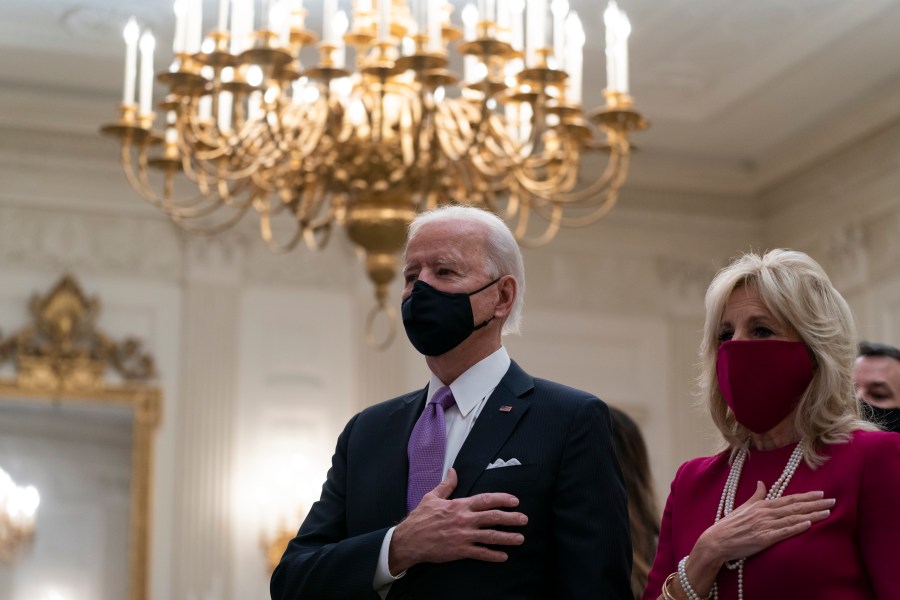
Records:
x=131, y=33
x=148, y=45
x=560, y=10
x=618, y=28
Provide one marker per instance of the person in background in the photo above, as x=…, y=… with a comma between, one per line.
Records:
x=643, y=512
x=802, y=503
x=487, y=483
x=877, y=377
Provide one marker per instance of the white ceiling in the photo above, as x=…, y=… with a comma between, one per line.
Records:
x=740, y=93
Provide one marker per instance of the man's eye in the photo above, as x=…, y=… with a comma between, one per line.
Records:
x=409, y=278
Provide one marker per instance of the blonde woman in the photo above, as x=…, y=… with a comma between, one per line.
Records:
x=803, y=501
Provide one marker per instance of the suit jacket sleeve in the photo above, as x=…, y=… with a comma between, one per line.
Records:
x=879, y=517
x=590, y=512
x=321, y=561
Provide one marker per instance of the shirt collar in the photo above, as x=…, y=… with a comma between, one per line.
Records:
x=470, y=388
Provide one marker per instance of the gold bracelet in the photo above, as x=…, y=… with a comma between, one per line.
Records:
x=666, y=594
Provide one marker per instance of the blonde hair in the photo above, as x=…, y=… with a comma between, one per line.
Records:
x=796, y=290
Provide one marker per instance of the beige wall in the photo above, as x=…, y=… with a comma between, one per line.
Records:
x=845, y=212
x=262, y=357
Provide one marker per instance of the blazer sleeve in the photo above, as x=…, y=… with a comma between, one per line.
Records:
x=879, y=514
x=321, y=561
x=665, y=561
x=590, y=512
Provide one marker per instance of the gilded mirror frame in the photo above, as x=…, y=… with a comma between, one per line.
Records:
x=61, y=357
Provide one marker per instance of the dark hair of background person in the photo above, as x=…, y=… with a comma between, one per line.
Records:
x=642, y=508
x=875, y=349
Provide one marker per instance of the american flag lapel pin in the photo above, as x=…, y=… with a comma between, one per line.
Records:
x=505, y=408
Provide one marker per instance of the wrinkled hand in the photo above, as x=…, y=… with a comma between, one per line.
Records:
x=441, y=530
x=751, y=528
x=759, y=523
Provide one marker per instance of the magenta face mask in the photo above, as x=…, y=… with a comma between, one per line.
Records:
x=762, y=380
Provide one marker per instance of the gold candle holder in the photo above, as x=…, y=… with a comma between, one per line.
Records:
x=130, y=127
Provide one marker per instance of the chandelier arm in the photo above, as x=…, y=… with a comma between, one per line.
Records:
x=311, y=134
x=561, y=179
x=612, y=177
x=193, y=137
x=378, y=130
x=314, y=240
x=447, y=122
x=536, y=124
x=166, y=203
x=140, y=182
x=198, y=171
x=206, y=146
x=136, y=182
x=425, y=149
x=216, y=229
x=511, y=209
x=391, y=314
x=472, y=138
x=243, y=149
x=227, y=188
x=484, y=165
x=611, y=197
x=609, y=200
x=409, y=141
x=553, y=224
x=317, y=228
x=310, y=205
x=505, y=147
x=257, y=144
x=194, y=161
x=526, y=168
x=431, y=170
x=265, y=229
x=206, y=204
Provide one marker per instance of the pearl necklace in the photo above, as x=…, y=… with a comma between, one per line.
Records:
x=726, y=503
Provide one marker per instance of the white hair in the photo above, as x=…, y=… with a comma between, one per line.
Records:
x=503, y=256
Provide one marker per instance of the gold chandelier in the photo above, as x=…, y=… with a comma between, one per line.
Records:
x=246, y=125
x=18, y=506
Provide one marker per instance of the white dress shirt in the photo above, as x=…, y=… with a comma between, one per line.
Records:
x=470, y=391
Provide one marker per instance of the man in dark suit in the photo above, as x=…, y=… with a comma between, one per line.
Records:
x=487, y=484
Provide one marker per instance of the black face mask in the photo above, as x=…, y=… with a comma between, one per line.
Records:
x=886, y=418
x=437, y=322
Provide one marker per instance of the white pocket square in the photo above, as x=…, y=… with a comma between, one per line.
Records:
x=513, y=462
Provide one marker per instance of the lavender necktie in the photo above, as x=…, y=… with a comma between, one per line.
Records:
x=426, y=448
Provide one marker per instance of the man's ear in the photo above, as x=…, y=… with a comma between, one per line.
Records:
x=508, y=289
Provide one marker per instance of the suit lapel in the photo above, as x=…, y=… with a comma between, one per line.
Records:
x=498, y=419
x=393, y=459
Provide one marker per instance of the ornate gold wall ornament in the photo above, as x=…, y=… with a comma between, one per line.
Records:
x=63, y=351
x=62, y=357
